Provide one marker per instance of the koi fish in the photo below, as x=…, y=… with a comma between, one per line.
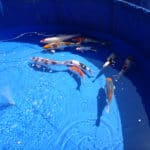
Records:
x=57, y=45
x=51, y=47
x=80, y=40
x=77, y=70
x=59, y=38
x=77, y=64
x=85, y=48
x=109, y=87
x=126, y=66
x=68, y=43
x=110, y=60
x=39, y=61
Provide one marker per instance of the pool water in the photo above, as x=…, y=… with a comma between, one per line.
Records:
x=55, y=109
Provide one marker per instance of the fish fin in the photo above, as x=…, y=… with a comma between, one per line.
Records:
x=52, y=51
x=107, y=108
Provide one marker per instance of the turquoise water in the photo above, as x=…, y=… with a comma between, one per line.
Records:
x=58, y=110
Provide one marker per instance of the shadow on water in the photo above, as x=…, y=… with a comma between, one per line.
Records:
x=106, y=71
x=129, y=123
x=101, y=103
x=4, y=106
x=49, y=70
x=41, y=68
x=76, y=78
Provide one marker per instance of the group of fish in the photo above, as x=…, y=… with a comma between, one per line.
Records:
x=76, y=67
x=62, y=41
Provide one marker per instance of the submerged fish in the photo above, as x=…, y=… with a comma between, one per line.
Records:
x=85, y=48
x=127, y=63
x=57, y=45
x=84, y=40
x=110, y=60
x=78, y=39
x=109, y=87
x=77, y=64
x=77, y=70
x=59, y=38
x=50, y=47
x=126, y=66
x=39, y=62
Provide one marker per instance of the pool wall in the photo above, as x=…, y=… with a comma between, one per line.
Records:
x=126, y=21
x=120, y=18
x=28, y=12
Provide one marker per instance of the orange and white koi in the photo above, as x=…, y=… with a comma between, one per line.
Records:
x=109, y=88
x=57, y=45
x=77, y=64
x=51, y=47
x=80, y=40
x=77, y=70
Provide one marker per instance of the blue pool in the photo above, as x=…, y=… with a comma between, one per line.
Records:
x=56, y=109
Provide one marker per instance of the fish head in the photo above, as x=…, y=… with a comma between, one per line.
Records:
x=109, y=79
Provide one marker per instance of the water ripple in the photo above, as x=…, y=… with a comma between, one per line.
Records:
x=80, y=135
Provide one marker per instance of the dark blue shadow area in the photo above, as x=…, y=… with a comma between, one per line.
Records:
x=28, y=12
x=4, y=106
x=133, y=75
x=101, y=103
x=76, y=78
x=128, y=106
